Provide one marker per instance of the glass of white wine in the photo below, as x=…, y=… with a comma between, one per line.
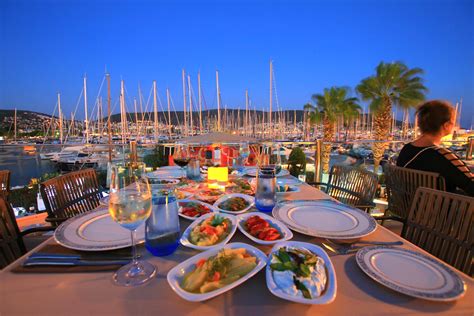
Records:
x=130, y=205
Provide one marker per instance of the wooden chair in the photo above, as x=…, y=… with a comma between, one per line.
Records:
x=401, y=184
x=11, y=239
x=442, y=223
x=4, y=183
x=71, y=194
x=352, y=186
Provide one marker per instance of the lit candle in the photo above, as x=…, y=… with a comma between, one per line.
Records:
x=217, y=177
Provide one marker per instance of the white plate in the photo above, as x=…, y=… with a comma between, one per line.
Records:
x=186, y=194
x=95, y=231
x=180, y=209
x=284, y=231
x=248, y=198
x=175, y=276
x=252, y=172
x=324, y=219
x=331, y=286
x=293, y=189
x=166, y=173
x=185, y=237
x=289, y=181
x=411, y=273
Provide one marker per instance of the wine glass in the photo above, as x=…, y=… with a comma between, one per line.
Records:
x=181, y=156
x=130, y=205
x=275, y=158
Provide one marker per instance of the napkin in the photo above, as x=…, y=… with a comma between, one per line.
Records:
x=89, y=255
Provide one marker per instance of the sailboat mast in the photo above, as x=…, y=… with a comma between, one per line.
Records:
x=60, y=120
x=246, y=111
x=271, y=99
x=190, y=106
x=155, y=112
x=14, y=138
x=85, y=110
x=122, y=109
x=169, y=110
x=184, y=105
x=109, y=126
x=218, y=102
x=200, y=102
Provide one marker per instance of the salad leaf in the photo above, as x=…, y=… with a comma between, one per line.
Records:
x=304, y=270
x=300, y=286
x=283, y=255
x=217, y=220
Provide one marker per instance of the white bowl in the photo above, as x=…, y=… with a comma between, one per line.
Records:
x=331, y=287
x=175, y=275
x=248, y=198
x=185, y=237
x=180, y=208
x=286, y=233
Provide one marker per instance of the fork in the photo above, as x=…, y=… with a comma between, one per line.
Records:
x=346, y=249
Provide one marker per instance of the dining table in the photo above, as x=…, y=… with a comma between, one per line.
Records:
x=94, y=293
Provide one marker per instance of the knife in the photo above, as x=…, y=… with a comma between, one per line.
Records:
x=72, y=262
x=57, y=256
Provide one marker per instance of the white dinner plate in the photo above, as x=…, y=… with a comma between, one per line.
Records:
x=289, y=181
x=168, y=172
x=284, y=231
x=252, y=172
x=327, y=296
x=180, y=209
x=411, y=273
x=248, y=198
x=95, y=231
x=186, y=234
x=175, y=276
x=324, y=219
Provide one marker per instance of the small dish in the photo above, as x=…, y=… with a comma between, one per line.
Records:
x=284, y=231
x=180, y=209
x=176, y=275
x=248, y=198
x=291, y=189
x=330, y=291
x=185, y=237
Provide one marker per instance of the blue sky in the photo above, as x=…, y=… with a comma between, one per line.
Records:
x=47, y=46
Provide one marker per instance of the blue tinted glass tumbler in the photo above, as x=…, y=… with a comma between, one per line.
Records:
x=162, y=227
x=265, y=196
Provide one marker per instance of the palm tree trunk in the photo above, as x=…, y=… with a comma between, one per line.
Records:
x=328, y=137
x=381, y=129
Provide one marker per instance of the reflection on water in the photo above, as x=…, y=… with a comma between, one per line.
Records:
x=24, y=163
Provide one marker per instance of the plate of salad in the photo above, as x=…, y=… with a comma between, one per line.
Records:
x=262, y=228
x=235, y=203
x=301, y=272
x=192, y=209
x=209, y=231
x=209, y=195
x=215, y=271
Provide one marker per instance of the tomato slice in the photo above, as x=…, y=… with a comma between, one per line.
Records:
x=200, y=263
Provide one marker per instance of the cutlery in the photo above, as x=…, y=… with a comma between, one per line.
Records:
x=57, y=256
x=341, y=250
x=361, y=242
x=72, y=262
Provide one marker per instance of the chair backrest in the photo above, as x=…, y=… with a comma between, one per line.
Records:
x=4, y=183
x=442, y=223
x=71, y=194
x=352, y=186
x=402, y=184
x=11, y=242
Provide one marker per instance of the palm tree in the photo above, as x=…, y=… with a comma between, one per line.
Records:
x=333, y=103
x=393, y=84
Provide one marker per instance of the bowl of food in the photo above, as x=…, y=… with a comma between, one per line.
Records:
x=215, y=271
x=208, y=195
x=235, y=203
x=285, y=189
x=301, y=272
x=209, y=230
x=262, y=228
x=192, y=209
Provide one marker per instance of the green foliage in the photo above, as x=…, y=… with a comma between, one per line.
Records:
x=334, y=101
x=296, y=161
x=157, y=158
x=394, y=81
x=24, y=197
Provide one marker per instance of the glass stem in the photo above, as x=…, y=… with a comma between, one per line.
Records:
x=134, y=249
